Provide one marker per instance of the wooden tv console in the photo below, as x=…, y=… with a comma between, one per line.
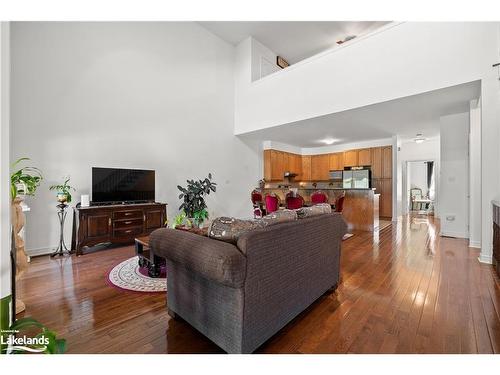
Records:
x=120, y=223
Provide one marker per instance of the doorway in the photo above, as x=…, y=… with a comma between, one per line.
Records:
x=420, y=192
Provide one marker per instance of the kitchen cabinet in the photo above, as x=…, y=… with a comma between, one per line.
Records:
x=320, y=167
x=387, y=162
x=306, y=168
x=273, y=165
x=376, y=165
x=381, y=166
x=385, y=197
x=276, y=163
x=336, y=161
x=351, y=158
x=296, y=165
x=364, y=157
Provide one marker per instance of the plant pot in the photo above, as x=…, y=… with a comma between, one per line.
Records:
x=62, y=198
x=195, y=223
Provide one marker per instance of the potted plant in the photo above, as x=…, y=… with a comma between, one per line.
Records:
x=63, y=191
x=24, y=181
x=193, y=197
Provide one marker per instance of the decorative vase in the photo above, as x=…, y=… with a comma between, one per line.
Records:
x=62, y=198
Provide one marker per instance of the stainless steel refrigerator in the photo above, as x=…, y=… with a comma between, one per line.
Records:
x=356, y=179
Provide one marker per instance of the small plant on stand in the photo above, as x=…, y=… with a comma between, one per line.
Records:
x=63, y=191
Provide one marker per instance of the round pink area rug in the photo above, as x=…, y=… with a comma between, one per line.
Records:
x=127, y=275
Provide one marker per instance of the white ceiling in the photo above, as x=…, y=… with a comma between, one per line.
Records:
x=295, y=41
x=404, y=117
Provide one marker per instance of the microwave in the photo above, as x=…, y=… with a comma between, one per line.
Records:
x=336, y=175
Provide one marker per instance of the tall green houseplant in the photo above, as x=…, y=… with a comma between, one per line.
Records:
x=193, y=196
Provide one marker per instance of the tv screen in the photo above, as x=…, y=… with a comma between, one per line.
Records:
x=122, y=185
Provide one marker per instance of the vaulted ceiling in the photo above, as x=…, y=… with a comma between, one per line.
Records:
x=294, y=41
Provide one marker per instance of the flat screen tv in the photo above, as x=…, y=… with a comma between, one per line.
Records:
x=122, y=185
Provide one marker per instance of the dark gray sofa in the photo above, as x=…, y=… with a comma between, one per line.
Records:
x=239, y=296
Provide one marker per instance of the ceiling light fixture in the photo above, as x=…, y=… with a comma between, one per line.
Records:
x=419, y=138
x=328, y=141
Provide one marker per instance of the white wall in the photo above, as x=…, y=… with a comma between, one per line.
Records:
x=5, y=263
x=133, y=95
x=263, y=60
x=454, y=186
x=417, y=176
x=411, y=151
x=397, y=61
x=475, y=174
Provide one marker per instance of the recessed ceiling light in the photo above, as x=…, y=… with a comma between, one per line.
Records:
x=419, y=138
x=328, y=141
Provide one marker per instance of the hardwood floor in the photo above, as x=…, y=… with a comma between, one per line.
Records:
x=403, y=290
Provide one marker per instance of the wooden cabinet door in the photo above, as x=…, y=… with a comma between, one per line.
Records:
x=154, y=219
x=387, y=162
x=336, y=161
x=277, y=165
x=267, y=165
x=377, y=162
x=320, y=166
x=296, y=165
x=287, y=161
x=364, y=157
x=386, y=197
x=98, y=225
x=306, y=168
x=351, y=158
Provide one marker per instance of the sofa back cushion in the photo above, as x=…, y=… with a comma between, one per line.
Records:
x=229, y=229
x=318, y=209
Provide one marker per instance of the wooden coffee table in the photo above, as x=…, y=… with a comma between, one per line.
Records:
x=147, y=258
x=154, y=262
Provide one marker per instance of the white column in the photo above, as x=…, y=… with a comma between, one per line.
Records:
x=4, y=161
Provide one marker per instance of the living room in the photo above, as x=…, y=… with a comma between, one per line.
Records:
x=217, y=110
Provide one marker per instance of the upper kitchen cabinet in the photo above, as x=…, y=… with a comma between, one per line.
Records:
x=306, y=168
x=296, y=165
x=377, y=162
x=274, y=167
x=320, y=167
x=364, y=157
x=351, y=158
x=387, y=162
x=336, y=161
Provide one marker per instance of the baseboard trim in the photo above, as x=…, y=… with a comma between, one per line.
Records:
x=453, y=234
x=475, y=244
x=487, y=259
x=40, y=251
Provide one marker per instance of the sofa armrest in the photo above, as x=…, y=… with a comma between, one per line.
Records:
x=215, y=260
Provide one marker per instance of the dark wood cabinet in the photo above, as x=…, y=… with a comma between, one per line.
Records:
x=115, y=223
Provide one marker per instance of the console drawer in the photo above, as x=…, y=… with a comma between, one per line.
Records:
x=128, y=214
x=127, y=232
x=119, y=224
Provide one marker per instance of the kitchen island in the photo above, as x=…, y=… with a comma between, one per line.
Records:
x=361, y=206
